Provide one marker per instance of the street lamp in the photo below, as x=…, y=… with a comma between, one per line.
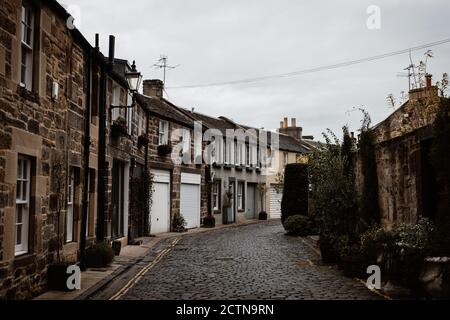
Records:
x=133, y=78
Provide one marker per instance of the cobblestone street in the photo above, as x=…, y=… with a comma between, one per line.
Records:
x=251, y=262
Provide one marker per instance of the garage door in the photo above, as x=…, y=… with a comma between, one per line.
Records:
x=276, y=195
x=160, y=209
x=190, y=199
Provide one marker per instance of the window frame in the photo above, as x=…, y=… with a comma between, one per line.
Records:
x=70, y=223
x=217, y=194
x=27, y=48
x=163, y=132
x=240, y=196
x=23, y=176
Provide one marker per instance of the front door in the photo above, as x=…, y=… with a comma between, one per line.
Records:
x=117, y=209
x=250, y=212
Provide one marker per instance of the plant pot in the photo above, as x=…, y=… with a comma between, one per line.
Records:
x=262, y=215
x=327, y=252
x=435, y=277
x=209, y=222
x=164, y=150
x=57, y=277
x=143, y=140
x=353, y=266
x=116, y=246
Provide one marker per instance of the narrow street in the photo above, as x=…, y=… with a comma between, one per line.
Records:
x=250, y=262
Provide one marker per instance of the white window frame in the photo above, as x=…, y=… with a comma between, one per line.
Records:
x=23, y=190
x=163, y=133
x=286, y=158
x=216, y=192
x=70, y=206
x=27, y=40
x=240, y=195
x=115, y=101
x=247, y=155
x=228, y=151
x=141, y=125
x=129, y=114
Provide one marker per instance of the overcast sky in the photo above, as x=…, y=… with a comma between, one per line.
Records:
x=216, y=41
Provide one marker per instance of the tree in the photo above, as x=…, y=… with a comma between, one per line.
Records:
x=295, y=191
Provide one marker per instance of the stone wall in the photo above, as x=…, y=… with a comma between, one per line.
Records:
x=35, y=125
x=398, y=144
x=166, y=163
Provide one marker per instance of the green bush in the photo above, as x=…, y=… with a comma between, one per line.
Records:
x=179, y=223
x=295, y=191
x=299, y=225
x=100, y=255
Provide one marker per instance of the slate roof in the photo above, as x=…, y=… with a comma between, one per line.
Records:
x=163, y=109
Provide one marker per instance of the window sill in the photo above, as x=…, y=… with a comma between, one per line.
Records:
x=28, y=95
x=239, y=168
x=24, y=260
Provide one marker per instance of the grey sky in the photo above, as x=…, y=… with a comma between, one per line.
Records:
x=218, y=41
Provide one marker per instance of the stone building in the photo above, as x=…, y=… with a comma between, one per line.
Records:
x=406, y=180
x=179, y=187
x=43, y=111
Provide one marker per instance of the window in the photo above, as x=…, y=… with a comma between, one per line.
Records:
x=216, y=194
x=163, y=132
x=217, y=150
x=22, y=205
x=26, y=74
x=286, y=158
x=186, y=142
x=247, y=155
x=129, y=114
x=115, y=101
x=70, y=199
x=240, y=154
x=142, y=127
x=240, y=196
x=229, y=151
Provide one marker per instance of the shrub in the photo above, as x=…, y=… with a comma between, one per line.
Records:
x=299, y=225
x=295, y=191
x=209, y=221
x=100, y=255
x=262, y=215
x=179, y=223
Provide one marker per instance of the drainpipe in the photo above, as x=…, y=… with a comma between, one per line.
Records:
x=87, y=145
x=102, y=170
x=146, y=217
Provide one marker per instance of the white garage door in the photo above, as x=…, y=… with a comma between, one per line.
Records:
x=160, y=209
x=275, y=202
x=190, y=199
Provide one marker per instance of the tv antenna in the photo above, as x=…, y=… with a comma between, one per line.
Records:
x=163, y=64
x=408, y=74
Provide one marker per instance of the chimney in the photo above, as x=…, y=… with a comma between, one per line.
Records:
x=428, y=78
x=153, y=88
x=293, y=130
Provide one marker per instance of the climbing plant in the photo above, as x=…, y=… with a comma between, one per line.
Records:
x=439, y=157
x=141, y=198
x=369, y=208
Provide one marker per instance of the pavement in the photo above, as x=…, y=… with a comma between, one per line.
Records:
x=256, y=261
x=127, y=263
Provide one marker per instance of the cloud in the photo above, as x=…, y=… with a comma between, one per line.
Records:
x=218, y=41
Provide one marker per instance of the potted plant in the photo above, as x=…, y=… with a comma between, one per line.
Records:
x=262, y=215
x=209, y=221
x=100, y=255
x=119, y=127
x=164, y=150
x=143, y=140
x=179, y=223
x=327, y=249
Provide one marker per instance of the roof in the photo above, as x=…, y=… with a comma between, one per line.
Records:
x=208, y=121
x=164, y=109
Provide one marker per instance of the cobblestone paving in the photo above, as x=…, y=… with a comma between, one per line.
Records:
x=252, y=262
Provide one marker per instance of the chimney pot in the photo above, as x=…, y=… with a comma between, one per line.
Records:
x=293, y=123
x=281, y=124
x=285, y=123
x=153, y=88
x=428, y=78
